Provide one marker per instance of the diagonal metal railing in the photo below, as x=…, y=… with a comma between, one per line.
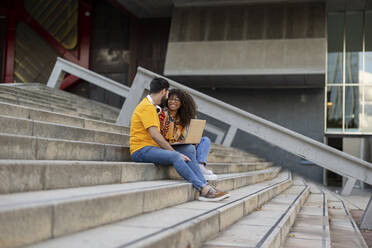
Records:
x=237, y=119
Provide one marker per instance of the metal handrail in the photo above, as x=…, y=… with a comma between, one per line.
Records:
x=63, y=66
x=293, y=142
x=300, y=145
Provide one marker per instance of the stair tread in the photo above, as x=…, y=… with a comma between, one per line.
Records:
x=311, y=228
x=55, y=124
x=61, y=115
x=155, y=224
x=42, y=197
x=62, y=140
x=16, y=200
x=261, y=223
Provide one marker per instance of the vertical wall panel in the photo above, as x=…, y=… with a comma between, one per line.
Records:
x=297, y=19
x=235, y=23
x=274, y=21
x=255, y=22
x=2, y=44
x=217, y=23
x=316, y=27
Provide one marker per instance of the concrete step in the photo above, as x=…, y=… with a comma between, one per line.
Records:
x=344, y=231
x=227, y=148
x=52, y=95
x=19, y=126
x=268, y=226
x=35, y=94
x=217, y=158
x=34, y=216
x=185, y=225
x=59, y=96
x=220, y=168
x=37, y=148
x=228, y=151
x=311, y=228
x=52, y=117
x=35, y=98
x=33, y=175
x=54, y=107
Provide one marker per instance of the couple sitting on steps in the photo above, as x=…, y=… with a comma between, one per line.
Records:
x=147, y=143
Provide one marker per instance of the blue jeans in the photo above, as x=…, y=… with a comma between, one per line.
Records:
x=202, y=150
x=188, y=170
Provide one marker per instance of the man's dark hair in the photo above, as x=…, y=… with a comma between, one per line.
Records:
x=157, y=84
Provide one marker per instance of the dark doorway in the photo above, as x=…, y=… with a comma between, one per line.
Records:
x=334, y=179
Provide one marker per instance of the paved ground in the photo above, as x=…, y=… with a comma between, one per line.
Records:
x=367, y=234
x=357, y=202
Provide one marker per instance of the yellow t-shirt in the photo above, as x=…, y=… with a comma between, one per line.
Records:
x=144, y=116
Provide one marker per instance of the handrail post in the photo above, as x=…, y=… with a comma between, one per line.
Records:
x=366, y=221
x=215, y=130
x=135, y=95
x=349, y=186
x=56, y=77
x=229, y=138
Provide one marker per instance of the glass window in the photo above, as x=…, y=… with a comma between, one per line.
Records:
x=354, y=46
x=335, y=47
x=367, y=110
x=352, y=107
x=367, y=78
x=334, y=107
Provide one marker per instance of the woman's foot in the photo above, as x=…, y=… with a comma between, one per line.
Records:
x=208, y=174
x=208, y=193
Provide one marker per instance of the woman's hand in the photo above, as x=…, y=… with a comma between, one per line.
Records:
x=185, y=157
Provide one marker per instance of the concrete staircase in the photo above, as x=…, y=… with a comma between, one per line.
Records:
x=66, y=180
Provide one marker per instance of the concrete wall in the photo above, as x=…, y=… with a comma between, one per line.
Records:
x=301, y=110
x=2, y=41
x=245, y=40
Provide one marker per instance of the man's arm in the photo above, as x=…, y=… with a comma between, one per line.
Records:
x=156, y=135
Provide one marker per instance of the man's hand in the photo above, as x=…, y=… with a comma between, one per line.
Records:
x=156, y=135
x=185, y=157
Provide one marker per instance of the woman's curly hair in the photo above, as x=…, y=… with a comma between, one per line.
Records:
x=187, y=111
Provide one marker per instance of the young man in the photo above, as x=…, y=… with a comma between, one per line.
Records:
x=148, y=145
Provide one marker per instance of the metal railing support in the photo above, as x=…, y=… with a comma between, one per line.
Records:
x=230, y=136
x=135, y=95
x=349, y=186
x=63, y=66
x=217, y=131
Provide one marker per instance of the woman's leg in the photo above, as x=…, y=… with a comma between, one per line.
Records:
x=202, y=150
x=189, y=151
x=156, y=155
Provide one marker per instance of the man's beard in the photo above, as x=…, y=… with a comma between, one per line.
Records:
x=163, y=101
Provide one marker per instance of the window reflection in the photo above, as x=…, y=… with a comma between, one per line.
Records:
x=354, y=46
x=367, y=77
x=334, y=107
x=349, y=107
x=335, y=67
x=367, y=115
x=335, y=46
x=352, y=107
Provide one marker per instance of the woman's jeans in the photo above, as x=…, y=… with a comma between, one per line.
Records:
x=202, y=150
x=188, y=170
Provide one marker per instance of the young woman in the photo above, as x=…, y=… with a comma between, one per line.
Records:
x=174, y=120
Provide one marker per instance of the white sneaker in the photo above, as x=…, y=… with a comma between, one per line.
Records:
x=210, y=177
x=208, y=174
